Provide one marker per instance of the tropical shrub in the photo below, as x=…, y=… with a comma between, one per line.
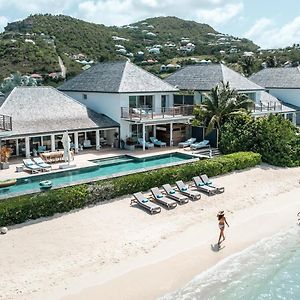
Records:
x=22, y=208
x=273, y=137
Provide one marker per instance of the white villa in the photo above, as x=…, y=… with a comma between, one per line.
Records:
x=140, y=102
x=196, y=80
x=282, y=83
x=39, y=117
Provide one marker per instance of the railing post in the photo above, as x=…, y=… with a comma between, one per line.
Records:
x=151, y=113
x=163, y=112
x=4, y=127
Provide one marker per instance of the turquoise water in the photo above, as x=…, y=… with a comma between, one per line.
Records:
x=103, y=167
x=268, y=270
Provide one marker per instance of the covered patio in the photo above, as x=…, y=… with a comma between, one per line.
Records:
x=42, y=114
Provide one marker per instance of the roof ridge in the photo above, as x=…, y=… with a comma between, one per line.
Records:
x=122, y=76
x=152, y=75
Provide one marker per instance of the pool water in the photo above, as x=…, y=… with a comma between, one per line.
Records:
x=103, y=167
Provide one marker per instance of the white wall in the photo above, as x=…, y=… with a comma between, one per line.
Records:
x=105, y=103
x=291, y=96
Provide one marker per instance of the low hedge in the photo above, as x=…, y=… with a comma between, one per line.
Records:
x=22, y=208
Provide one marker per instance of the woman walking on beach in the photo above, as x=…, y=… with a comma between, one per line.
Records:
x=222, y=222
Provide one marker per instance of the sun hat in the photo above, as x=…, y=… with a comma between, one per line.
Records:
x=221, y=213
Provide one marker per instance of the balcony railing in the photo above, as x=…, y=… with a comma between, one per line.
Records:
x=269, y=106
x=131, y=113
x=5, y=122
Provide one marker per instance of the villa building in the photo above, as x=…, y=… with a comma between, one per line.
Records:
x=140, y=102
x=196, y=80
x=282, y=83
x=40, y=116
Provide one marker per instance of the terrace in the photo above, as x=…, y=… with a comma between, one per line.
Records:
x=140, y=114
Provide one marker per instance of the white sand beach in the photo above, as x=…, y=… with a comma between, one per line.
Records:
x=114, y=251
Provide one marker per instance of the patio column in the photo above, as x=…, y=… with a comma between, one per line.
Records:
x=144, y=137
x=27, y=147
x=42, y=141
x=85, y=135
x=52, y=142
x=76, y=141
x=294, y=118
x=171, y=134
x=98, y=139
x=154, y=131
x=17, y=147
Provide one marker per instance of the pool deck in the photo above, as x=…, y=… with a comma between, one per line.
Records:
x=83, y=159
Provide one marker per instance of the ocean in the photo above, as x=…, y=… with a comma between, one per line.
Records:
x=268, y=270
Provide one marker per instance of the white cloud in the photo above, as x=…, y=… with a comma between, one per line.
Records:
x=120, y=12
x=3, y=22
x=265, y=33
x=220, y=15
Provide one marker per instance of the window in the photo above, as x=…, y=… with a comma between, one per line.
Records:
x=141, y=101
x=183, y=99
x=132, y=101
x=84, y=96
x=164, y=101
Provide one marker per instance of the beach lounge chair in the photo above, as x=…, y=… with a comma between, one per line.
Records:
x=147, y=144
x=203, y=144
x=201, y=186
x=171, y=193
x=187, y=143
x=156, y=142
x=144, y=202
x=208, y=182
x=185, y=190
x=42, y=164
x=160, y=198
x=31, y=166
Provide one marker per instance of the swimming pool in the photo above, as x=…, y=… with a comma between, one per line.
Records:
x=106, y=167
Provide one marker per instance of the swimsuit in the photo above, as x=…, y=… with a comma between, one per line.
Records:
x=221, y=226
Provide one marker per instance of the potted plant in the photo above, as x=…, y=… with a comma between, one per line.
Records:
x=129, y=145
x=5, y=153
x=116, y=141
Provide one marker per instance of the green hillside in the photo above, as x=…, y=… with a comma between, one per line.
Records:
x=34, y=44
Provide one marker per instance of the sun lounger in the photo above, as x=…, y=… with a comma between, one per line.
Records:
x=201, y=186
x=147, y=144
x=160, y=198
x=31, y=166
x=203, y=144
x=208, y=182
x=171, y=193
x=156, y=142
x=185, y=190
x=143, y=201
x=187, y=143
x=42, y=164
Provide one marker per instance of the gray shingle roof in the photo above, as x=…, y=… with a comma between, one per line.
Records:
x=278, y=78
x=205, y=77
x=45, y=109
x=116, y=77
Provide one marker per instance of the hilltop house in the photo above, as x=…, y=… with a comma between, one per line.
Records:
x=140, y=102
x=282, y=83
x=195, y=80
x=40, y=116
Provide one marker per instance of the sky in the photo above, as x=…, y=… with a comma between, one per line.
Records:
x=269, y=23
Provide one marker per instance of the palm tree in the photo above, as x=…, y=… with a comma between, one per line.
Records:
x=219, y=103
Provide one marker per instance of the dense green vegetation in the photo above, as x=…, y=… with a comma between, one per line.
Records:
x=219, y=104
x=276, y=139
x=20, y=209
x=66, y=36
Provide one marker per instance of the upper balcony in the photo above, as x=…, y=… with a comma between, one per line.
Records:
x=267, y=107
x=140, y=114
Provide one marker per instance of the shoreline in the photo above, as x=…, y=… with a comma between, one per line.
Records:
x=113, y=249
x=160, y=279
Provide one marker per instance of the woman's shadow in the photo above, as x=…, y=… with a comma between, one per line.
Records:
x=216, y=247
